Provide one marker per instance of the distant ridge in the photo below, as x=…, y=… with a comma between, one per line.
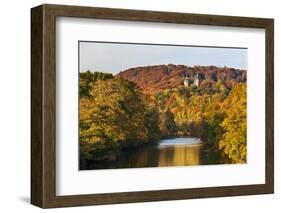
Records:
x=159, y=77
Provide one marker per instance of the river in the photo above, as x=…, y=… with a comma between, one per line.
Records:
x=181, y=151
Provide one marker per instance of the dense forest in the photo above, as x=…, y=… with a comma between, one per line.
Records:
x=125, y=111
x=160, y=77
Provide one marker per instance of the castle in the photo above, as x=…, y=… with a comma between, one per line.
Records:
x=192, y=81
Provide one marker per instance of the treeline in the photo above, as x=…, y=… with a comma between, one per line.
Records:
x=115, y=114
x=171, y=76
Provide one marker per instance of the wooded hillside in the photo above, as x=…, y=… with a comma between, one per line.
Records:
x=152, y=79
x=144, y=104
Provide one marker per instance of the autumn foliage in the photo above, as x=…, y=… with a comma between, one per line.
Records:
x=128, y=110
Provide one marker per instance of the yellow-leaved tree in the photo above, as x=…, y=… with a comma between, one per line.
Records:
x=233, y=141
x=112, y=116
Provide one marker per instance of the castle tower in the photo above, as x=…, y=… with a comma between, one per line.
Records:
x=196, y=80
x=186, y=82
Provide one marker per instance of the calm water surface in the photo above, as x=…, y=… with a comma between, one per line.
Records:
x=183, y=151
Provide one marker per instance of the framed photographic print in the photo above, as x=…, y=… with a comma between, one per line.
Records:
x=136, y=106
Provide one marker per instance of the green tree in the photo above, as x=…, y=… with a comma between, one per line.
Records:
x=87, y=80
x=168, y=126
x=152, y=123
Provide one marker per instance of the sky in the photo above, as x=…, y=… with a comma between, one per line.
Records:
x=116, y=57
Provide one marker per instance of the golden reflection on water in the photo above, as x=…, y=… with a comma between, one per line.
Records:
x=170, y=152
x=179, y=155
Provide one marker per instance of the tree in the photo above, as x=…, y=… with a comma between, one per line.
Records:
x=112, y=116
x=168, y=126
x=152, y=123
x=87, y=80
x=234, y=138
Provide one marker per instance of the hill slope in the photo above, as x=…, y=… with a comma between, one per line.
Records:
x=159, y=77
